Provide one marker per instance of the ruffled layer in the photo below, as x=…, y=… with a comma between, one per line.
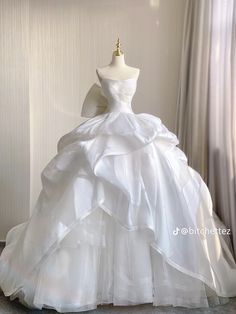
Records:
x=129, y=132
x=126, y=171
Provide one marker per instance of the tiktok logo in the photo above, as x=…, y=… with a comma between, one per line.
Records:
x=176, y=231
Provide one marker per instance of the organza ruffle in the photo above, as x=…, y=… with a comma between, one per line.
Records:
x=104, y=227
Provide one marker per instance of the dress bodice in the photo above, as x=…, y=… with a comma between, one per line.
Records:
x=119, y=93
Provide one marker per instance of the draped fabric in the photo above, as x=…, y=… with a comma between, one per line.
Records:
x=205, y=123
x=192, y=111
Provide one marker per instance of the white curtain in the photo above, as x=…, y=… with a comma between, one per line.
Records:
x=206, y=117
x=222, y=112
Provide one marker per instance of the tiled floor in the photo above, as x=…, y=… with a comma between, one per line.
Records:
x=14, y=307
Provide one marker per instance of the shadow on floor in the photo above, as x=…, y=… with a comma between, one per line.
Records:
x=14, y=307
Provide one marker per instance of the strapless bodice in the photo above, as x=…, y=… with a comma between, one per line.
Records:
x=119, y=94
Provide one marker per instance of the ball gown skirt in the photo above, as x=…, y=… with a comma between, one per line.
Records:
x=104, y=227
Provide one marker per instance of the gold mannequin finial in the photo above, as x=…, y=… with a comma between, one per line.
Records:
x=118, y=52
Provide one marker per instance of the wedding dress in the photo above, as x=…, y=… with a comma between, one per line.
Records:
x=108, y=224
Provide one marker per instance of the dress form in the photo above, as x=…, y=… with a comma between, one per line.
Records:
x=95, y=102
x=117, y=69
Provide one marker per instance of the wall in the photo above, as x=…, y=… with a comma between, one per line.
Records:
x=49, y=52
x=14, y=115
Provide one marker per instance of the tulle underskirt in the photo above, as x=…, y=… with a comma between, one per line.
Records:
x=102, y=262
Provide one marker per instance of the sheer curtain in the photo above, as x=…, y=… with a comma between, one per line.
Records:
x=206, y=116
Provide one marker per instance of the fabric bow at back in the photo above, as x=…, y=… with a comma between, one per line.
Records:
x=95, y=102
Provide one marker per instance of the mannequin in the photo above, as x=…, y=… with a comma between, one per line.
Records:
x=117, y=69
x=95, y=103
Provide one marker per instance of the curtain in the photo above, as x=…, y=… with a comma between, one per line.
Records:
x=222, y=113
x=206, y=113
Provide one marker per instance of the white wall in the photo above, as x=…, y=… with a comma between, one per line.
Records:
x=14, y=115
x=61, y=43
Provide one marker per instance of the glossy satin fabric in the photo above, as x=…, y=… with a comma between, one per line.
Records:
x=102, y=230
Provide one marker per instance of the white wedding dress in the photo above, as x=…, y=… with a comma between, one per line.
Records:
x=103, y=229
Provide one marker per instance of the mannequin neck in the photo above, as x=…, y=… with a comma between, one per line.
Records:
x=118, y=61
